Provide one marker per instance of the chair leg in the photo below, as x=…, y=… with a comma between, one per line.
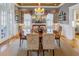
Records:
x=38, y=53
x=53, y=52
x=27, y=52
x=43, y=52
x=20, y=42
x=59, y=42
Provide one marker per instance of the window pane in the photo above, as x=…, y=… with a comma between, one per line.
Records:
x=27, y=22
x=49, y=23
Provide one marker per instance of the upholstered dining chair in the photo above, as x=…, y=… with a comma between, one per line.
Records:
x=22, y=37
x=32, y=43
x=48, y=43
x=57, y=33
x=57, y=37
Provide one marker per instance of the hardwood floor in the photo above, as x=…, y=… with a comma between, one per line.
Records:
x=12, y=48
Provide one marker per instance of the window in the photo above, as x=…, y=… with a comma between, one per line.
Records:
x=49, y=23
x=27, y=23
x=7, y=20
x=3, y=18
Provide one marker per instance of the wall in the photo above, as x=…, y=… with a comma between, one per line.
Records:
x=67, y=26
x=65, y=8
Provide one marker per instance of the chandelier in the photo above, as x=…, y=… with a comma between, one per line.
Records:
x=39, y=10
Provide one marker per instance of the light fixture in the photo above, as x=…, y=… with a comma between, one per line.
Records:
x=39, y=10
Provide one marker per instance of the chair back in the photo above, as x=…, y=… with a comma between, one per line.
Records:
x=32, y=41
x=48, y=41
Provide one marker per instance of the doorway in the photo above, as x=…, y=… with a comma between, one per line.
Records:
x=74, y=20
x=77, y=24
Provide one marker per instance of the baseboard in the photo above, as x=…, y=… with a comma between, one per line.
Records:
x=10, y=38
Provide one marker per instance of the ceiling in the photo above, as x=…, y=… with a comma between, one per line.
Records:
x=36, y=4
x=46, y=5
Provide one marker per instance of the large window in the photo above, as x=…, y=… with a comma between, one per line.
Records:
x=3, y=18
x=49, y=23
x=27, y=23
x=7, y=20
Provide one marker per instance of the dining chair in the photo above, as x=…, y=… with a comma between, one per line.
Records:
x=48, y=43
x=22, y=37
x=57, y=37
x=57, y=33
x=32, y=43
